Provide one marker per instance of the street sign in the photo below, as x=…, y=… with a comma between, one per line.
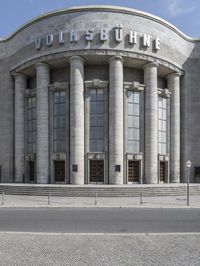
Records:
x=188, y=163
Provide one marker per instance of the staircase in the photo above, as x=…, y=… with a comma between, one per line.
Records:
x=101, y=190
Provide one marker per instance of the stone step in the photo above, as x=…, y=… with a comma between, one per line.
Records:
x=104, y=191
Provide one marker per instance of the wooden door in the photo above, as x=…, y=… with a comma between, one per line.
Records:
x=96, y=171
x=59, y=171
x=133, y=171
x=162, y=171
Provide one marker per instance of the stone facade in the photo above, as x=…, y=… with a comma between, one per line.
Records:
x=99, y=94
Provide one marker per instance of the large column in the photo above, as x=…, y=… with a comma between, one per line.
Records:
x=42, y=111
x=174, y=86
x=77, y=120
x=116, y=153
x=20, y=86
x=151, y=118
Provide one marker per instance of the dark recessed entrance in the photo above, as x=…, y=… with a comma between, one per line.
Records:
x=162, y=171
x=133, y=171
x=31, y=171
x=96, y=171
x=59, y=170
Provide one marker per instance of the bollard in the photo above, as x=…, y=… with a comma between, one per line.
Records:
x=95, y=199
x=2, y=198
x=141, y=196
x=49, y=198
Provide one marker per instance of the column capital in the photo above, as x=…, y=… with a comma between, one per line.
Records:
x=173, y=75
x=76, y=57
x=42, y=64
x=19, y=75
x=116, y=57
x=151, y=64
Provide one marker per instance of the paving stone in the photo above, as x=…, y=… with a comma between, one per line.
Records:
x=138, y=250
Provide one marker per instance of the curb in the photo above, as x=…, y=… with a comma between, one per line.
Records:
x=99, y=207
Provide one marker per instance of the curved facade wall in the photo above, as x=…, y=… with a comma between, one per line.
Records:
x=99, y=95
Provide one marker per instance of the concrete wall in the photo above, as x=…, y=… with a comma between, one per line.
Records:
x=6, y=123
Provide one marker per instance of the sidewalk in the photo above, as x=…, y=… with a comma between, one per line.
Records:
x=15, y=201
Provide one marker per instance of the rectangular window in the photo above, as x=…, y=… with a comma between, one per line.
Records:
x=133, y=125
x=96, y=118
x=59, y=121
x=31, y=124
x=162, y=125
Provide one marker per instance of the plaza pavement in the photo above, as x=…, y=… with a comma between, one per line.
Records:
x=99, y=250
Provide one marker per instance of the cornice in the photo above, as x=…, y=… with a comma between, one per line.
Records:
x=105, y=8
x=106, y=52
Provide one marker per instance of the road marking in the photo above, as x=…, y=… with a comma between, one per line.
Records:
x=100, y=234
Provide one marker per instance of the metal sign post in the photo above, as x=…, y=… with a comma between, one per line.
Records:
x=188, y=166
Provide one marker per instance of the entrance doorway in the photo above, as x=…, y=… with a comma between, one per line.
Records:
x=31, y=171
x=96, y=171
x=162, y=172
x=133, y=171
x=59, y=170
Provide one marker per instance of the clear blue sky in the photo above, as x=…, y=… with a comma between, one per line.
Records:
x=184, y=14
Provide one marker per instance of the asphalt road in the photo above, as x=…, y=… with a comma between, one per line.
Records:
x=85, y=220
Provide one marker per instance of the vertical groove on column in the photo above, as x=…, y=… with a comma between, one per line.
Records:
x=116, y=153
x=42, y=111
x=151, y=139
x=174, y=86
x=20, y=86
x=77, y=120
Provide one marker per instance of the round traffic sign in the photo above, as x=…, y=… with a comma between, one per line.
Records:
x=188, y=163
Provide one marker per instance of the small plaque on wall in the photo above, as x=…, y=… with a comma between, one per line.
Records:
x=117, y=168
x=74, y=167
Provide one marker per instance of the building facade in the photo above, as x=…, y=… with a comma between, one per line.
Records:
x=102, y=95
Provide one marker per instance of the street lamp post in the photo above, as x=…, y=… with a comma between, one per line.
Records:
x=188, y=166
